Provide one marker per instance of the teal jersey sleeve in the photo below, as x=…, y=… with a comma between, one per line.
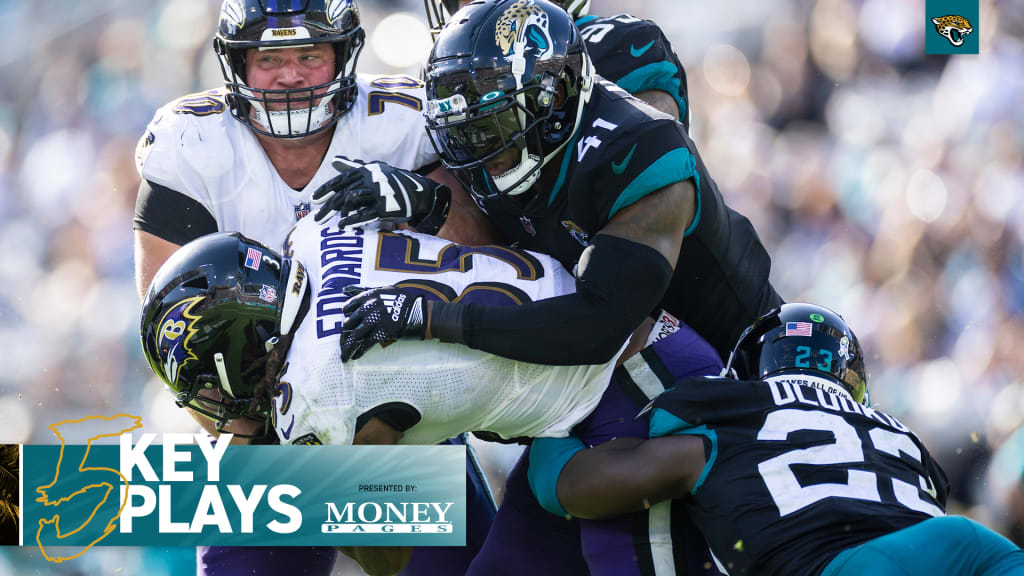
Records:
x=636, y=55
x=636, y=160
x=548, y=456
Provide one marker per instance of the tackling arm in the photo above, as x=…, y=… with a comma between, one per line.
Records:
x=622, y=277
x=165, y=220
x=618, y=477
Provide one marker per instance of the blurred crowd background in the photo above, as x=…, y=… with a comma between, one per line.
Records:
x=886, y=184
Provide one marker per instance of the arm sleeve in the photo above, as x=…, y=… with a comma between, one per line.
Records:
x=621, y=284
x=171, y=215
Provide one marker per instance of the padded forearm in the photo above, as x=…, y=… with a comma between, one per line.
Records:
x=622, y=283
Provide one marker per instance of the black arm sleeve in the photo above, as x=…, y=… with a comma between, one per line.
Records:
x=171, y=215
x=621, y=284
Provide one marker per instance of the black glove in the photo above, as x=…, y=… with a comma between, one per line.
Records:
x=378, y=315
x=365, y=192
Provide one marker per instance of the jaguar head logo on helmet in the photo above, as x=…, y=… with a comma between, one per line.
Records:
x=254, y=28
x=507, y=83
x=523, y=26
x=439, y=12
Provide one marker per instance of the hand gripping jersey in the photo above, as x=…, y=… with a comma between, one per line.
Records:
x=795, y=474
x=623, y=151
x=193, y=147
x=450, y=388
x=635, y=54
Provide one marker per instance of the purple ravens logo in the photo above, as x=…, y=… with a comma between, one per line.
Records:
x=176, y=329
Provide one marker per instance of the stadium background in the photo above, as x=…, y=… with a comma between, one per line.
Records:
x=885, y=183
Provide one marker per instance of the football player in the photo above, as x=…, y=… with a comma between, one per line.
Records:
x=566, y=163
x=629, y=51
x=240, y=334
x=247, y=157
x=787, y=472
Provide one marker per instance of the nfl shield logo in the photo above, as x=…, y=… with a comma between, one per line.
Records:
x=528, y=226
x=268, y=294
x=301, y=209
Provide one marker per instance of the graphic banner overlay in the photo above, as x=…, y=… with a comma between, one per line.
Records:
x=189, y=491
x=951, y=27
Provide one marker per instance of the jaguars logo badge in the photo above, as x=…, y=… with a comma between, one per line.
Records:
x=523, y=27
x=953, y=28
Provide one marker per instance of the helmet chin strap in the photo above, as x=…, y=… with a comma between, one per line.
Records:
x=527, y=172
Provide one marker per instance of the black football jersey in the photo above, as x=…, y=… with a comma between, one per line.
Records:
x=623, y=151
x=635, y=54
x=794, y=474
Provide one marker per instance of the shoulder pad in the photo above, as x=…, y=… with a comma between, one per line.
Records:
x=391, y=94
x=190, y=132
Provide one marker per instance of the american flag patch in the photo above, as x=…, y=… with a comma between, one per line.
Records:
x=253, y=258
x=798, y=328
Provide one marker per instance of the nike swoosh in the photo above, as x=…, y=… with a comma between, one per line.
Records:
x=288, y=432
x=640, y=52
x=621, y=166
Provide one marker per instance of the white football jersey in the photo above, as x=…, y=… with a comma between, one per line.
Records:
x=196, y=147
x=454, y=388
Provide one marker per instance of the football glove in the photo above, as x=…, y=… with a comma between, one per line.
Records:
x=368, y=191
x=377, y=315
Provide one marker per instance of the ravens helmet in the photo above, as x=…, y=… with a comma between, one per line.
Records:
x=211, y=317
x=440, y=11
x=268, y=24
x=801, y=338
x=506, y=79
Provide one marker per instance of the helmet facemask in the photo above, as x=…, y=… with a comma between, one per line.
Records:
x=295, y=112
x=473, y=123
x=224, y=396
x=438, y=14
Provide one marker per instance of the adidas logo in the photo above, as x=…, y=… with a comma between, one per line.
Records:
x=394, y=304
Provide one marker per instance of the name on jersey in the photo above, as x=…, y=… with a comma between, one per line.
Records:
x=341, y=262
x=799, y=390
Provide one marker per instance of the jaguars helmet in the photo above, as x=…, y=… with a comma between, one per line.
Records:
x=440, y=11
x=268, y=24
x=506, y=75
x=799, y=338
x=211, y=316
